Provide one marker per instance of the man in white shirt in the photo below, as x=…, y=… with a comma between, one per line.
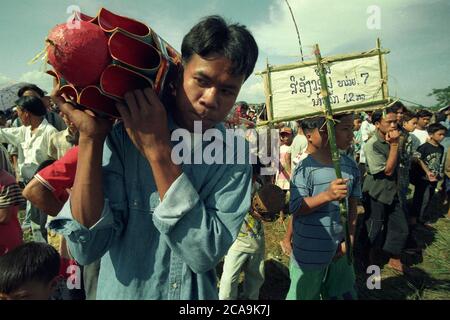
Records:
x=31, y=139
x=423, y=120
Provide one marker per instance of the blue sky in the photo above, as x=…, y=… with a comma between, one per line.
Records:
x=416, y=31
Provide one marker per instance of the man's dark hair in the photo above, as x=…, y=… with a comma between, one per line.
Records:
x=32, y=261
x=435, y=127
x=310, y=124
x=212, y=35
x=408, y=115
x=377, y=115
x=397, y=106
x=423, y=114
x=32, y=87
x=33, y=105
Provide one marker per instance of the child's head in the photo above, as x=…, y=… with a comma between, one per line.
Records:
x=409, y=121
x=423, y=119
x=357, y=121
x=29, y=272
x=385, y=121
x=286, y=135
x=437, y=132
x=316, y=132
x=268, y=202
x=399, y=110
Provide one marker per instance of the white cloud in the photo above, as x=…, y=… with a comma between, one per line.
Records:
x=252, y=91
x=5, y=81
x=39, y=78
x=332, y=24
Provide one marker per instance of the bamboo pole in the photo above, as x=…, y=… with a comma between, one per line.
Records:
x=335, y=156
x=330, y=59
x=372, y=105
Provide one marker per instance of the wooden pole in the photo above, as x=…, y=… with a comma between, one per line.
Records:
x=335, y=156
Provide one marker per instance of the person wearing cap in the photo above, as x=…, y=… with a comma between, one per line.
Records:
x=247, y=252
x=31, y=139
x=283, y=175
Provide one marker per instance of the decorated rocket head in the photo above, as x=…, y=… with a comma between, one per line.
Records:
x=104, y=57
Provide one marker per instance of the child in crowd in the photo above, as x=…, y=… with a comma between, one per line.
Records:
x=428, y=172
x=423, y=120
x=247, y=252
x=318, y=266
x=406, y=142
x=29, y=272
x=284, y=171
x=357, y=138
x=10, y=201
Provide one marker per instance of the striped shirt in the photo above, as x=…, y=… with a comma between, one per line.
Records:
x=317, y=235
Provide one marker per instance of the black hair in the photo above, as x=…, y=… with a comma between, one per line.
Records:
x=33, y=105
x=310, y=124
x=212, y=35
x=423, y=114
x=32, y=261
x=377, y=115
x=408, y=115
x=397, y=106
x=33, y=87
x=435, y=127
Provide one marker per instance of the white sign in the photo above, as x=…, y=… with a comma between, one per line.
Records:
x=296, y=92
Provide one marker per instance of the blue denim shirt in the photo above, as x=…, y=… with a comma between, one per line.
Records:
x=152, y=249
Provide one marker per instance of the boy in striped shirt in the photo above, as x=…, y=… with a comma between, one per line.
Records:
x=319, y=267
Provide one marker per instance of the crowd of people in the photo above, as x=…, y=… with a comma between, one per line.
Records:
x=104, y=197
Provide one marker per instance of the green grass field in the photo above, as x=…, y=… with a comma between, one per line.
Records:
x=429, y=278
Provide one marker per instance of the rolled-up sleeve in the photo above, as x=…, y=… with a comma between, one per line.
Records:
x=89, y=244
x=200, y=231
x=86, y=244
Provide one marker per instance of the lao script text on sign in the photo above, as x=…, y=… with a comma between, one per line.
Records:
x=297, y=91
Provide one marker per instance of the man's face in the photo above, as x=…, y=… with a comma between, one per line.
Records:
x=387, y=123
x=344, y=132
x=438, y=136
x=23, y=116
x=399, y=115
x=410, y=125
x=207, y=92
x=31, y=291
x=423, y=122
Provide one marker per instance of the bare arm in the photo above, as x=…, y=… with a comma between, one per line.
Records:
x=87, y=192
x=42, y=198
x=336, y=191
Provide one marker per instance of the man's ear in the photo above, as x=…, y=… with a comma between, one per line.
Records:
x=53, y=283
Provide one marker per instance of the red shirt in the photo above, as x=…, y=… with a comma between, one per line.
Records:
x=10, y=197
x=60, y=175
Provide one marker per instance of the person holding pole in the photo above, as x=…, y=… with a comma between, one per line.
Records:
x=319, y=268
